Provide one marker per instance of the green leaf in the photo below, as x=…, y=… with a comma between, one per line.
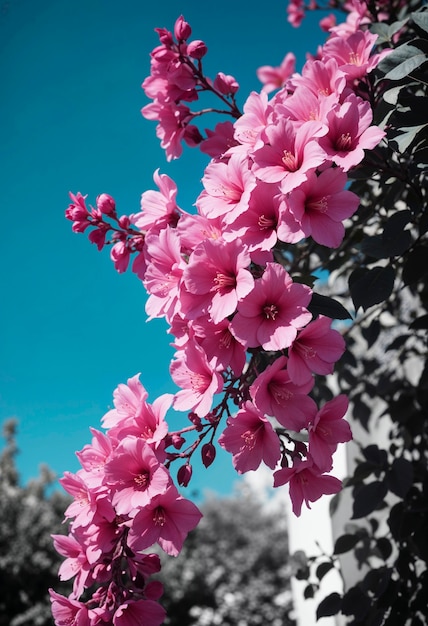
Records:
x=407, y=136
x=420, y=18
x=406, y=67
x=323, y=305
x=370, y=287
x=398, y=56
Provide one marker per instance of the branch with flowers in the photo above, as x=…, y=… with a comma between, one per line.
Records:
x=234, y=282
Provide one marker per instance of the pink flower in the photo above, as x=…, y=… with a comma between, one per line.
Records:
x=197, y=378
x=270, y=315
x=227, y=188
x=166, y=520
x=316, y=348
x=67, y=611
x=307, y=483
x=254, y=119
x=350, y=132
x=275, y=394
x=221, y=347
x=217, y=275
x=250, y=438
x=75, y=564
x=164, y=272
x=326, y=430
x=319, y=206
x=289, y=153
x=135, y=475
x=257, y=226
x=219, y=140
x=158, y=208
x=275, y=77
x=127, y=400
x=353, y=54
x=138, y=612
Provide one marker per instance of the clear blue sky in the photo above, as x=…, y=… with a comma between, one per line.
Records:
x=71, y=328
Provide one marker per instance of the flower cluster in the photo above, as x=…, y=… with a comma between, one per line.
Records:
x=248, y=344
x=124, y=502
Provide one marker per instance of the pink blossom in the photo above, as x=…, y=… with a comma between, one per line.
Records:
x=87, y=503
x=296, y=12
x=251, y=123
x=221, y=347
x=158, y=208
x=166, y=520
x=353, y=54
x=289, y=153
x=75, y=564
x=127, y=400
x=324, y=77
x=138, y=612
x=275, y=77
x=275, y=394
x=350, y=132
x=227, y=188
x=215, y=279
x=148, y=424
x=194, y=229
x=307, y=483
x=319, y=206
x=198, y=380
x=270, y=315
x=164, y=272
x=68, y=611
x=257, y=226
x=326, y=430
x=219, y=140
x=250, y=438
x=135, y=475
x=316, y=348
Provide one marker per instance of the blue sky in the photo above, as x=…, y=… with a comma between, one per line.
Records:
x=71, y=328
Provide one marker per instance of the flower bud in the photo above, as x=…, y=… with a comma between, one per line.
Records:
x=106, y=204
x=225, y=84
x=197, y=49
x=184, y=475
x=208, y=454
x=182, y=30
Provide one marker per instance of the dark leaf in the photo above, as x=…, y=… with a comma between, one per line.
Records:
x=345, y=543
x=323, y=305
x=309, y=591
x=400, y=477
x=395, y=239
x=323, y=568
x=375, y=455
x=329, y=606
x=355, y=602
x=368, y=498
x=371, y=332
x=415, y=265
x=373, y=246
x=395, y=520
x=370, y=287
x=384, y=546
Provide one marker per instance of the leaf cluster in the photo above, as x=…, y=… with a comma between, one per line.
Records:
x=381, y=272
